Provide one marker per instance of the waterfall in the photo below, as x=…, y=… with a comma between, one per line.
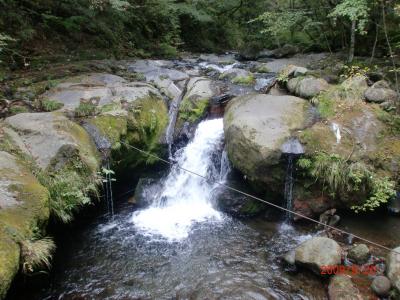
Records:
x=225, y=166
x=173, y=114
x=336, y=131
x=289, y=185
x=184, y=198
x=107, y=182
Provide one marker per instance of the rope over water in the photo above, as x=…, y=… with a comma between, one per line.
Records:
x=264, y=201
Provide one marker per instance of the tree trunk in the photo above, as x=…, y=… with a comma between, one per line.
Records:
x=352, y=41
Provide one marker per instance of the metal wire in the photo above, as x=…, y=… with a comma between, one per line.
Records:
x=264, y=201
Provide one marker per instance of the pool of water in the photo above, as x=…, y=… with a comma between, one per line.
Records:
x=224, y=259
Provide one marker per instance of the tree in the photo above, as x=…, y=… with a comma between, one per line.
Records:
x=357, y=11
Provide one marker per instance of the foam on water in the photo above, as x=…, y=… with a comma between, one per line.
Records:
x=185, y=199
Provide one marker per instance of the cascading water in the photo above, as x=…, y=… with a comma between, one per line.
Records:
x=289, y=185
x=336, y=131
x=185, y=198
x=225, y=166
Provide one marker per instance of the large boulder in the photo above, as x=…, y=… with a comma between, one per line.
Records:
x=98, y=89
x=380, y=92
x=381, y=286
x=51, y=139
x=393, y=267
x=256, y=127
x=341, y=287
x=24, y=207
x=317, y=253
x=307, y=87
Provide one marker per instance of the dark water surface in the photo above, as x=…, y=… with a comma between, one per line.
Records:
x=229, y=259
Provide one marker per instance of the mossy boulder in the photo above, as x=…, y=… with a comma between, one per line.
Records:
x=238, y=76
x=98, y=89
x=24, y=207
x=195, y=102
x=256, y=127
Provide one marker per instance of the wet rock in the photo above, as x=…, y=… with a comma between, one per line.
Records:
x=318, y=252
x=264, y=85
x=380, y=92
x=49, y=137
x=341, y=287
x=307, y=87
x=146, y=191
x=195, y=103
x=225, y=59
x=290, y=258
x=238, y=76
x=256, y=126
x=237, y=205
x=394, y=205
x=329, y=218
x=359, y=254
x=381, y=286
x=393, y=268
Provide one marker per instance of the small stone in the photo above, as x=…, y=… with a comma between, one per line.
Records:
x=381, y=286
x=359, y=254
x=290, y=258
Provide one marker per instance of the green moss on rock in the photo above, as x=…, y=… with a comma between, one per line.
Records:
x=113, y=127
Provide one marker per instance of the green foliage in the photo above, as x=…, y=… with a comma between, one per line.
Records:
x=391, y=119
x=86, y=109
x=383, y=189
x=36, y=255
x=354, y=70
x=50, y=105
x=193, y=111
x=341, y=177
x=325, y=105
x=354, y=10
x=14, y=110
x=278, y=23
x=70, y=188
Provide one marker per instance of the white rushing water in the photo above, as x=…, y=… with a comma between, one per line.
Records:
x=185, y=198
x=336, y=130
x=217, y=68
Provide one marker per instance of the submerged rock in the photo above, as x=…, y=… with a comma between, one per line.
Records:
x=341, y=287
x=256, y=127
x=393, y=268
x=317, y=253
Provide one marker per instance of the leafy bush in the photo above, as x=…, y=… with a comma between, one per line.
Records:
x=341, y=177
